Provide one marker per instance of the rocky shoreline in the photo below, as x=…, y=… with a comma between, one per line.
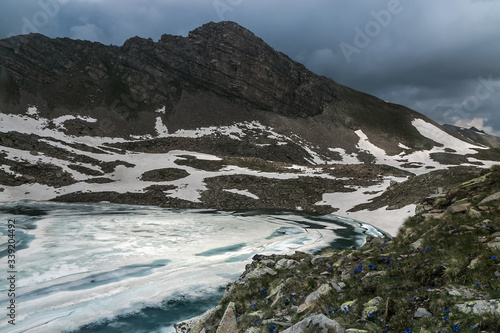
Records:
x=440, y=273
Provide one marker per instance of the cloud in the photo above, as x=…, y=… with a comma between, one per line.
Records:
x=86, y=32
x=428, y=55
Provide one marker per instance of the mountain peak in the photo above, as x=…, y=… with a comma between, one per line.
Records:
x=220, y=27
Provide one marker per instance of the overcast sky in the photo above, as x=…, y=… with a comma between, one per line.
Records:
x=439, y=57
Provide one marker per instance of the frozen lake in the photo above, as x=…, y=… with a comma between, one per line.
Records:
x=121, y=268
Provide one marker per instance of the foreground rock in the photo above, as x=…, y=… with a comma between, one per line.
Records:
x=317, y=324
x=195, y=324
x=491, y=306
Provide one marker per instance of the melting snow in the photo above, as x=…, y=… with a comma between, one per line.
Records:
x=436, y=134
x=160, y=128
x=400, y=145
x=387, y=220
x=243, y=192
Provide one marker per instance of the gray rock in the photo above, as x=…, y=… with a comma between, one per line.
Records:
x=252, y=330
x=195, y=324
x=374, y=302
x=418, y=244
x=489, y=199
x=286, y=263
x=474, y=213
x=277, y=321
x=257, y=272
x=322, y=290
x=459, y=208
x=454, y=292
x=420, y=209
x=342, y=285
x=317, y=260
x=267, y=262
x=355, y=330
x=318, y=323
x=228, y=322
x=348, y=305
x=422, y=313
x=491, y=306
x=336, y=287
x=494, y=245
x=371, y=307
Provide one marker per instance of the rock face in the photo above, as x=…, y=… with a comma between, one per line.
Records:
x=228, y=323
x=195, y=324
x=322, y=290
x=142, y=74
x=221, y=73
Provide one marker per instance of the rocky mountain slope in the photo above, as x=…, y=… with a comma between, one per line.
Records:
x=217, y=119
x=440, y=274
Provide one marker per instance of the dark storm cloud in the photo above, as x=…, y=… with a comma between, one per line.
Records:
x=432, y=56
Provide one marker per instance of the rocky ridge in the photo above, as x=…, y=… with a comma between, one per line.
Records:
x=440, y=273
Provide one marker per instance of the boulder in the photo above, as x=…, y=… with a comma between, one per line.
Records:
x=417, y=244
x=228, y=322
x=195, y=324
x=491, y=306
x=348, y=305
x=474, y=213
x=322, y=290
x=489, y=199
x=459, y=208
x=286, y=264
x=422, y=313
x=371, y=307
x=494, y=245
x=318, y=323
x=252, y=272
x=336, y=287
x=454, y=292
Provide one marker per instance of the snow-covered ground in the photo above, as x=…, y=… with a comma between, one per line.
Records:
x=128, y=179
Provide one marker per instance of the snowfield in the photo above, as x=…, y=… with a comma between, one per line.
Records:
x=128, y=178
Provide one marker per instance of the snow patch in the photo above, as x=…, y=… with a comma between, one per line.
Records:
x=160, y=128
x=346, y=158
x=365, y=144
x=162, y=110
x=434, y=133
x=242, y=192
x=400, y=145
x=387, y=220
x=32, y=111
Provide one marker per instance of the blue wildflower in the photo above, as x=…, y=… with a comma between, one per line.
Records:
x=494, y=257
x=456, y=328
